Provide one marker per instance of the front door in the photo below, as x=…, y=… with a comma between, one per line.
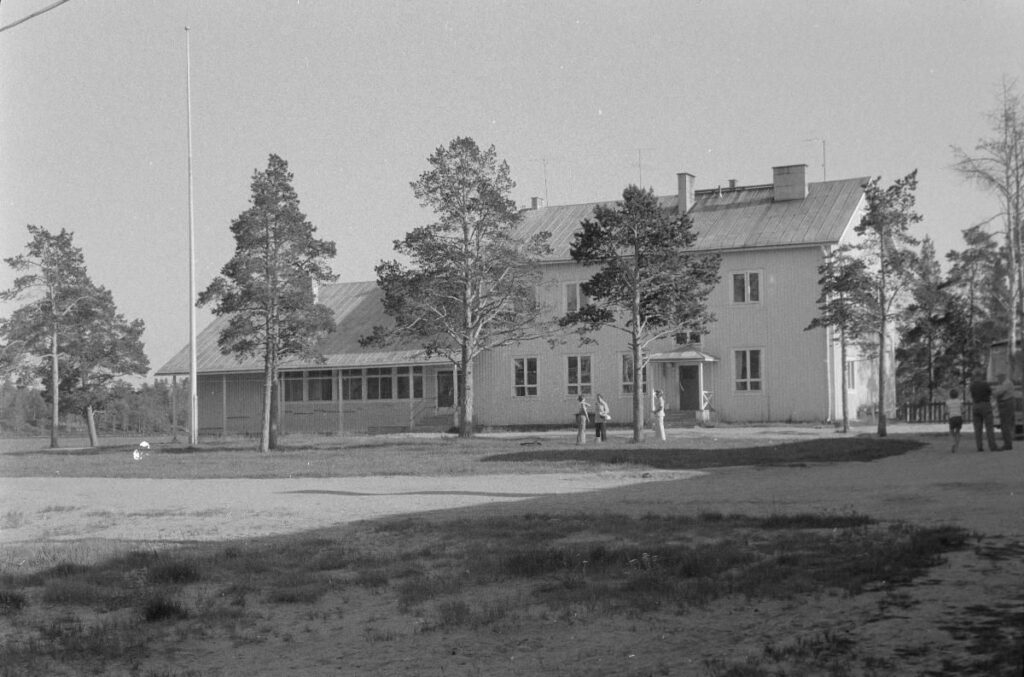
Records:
x=689, y=387
x=445, y=389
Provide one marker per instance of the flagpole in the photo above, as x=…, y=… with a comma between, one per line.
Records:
x=193, y=397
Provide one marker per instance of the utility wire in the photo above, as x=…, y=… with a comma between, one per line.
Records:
x=33, y=15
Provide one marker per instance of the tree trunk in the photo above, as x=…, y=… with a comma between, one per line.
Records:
x=465, y=390
x=90, y=422
x=54, y=392
x=882, y=432
x=844, y=396
x=638, y=382
x=275, y=410
x=268, y=393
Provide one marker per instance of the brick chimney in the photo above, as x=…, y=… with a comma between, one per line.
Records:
x=686, y=189
x=789, y=182
x=536, y=202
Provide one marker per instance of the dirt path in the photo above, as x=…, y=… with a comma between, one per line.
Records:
x=39, y=509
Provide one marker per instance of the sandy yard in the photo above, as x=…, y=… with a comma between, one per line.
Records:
x=982, y=492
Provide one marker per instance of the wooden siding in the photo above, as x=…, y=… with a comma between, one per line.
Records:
x=795, y=363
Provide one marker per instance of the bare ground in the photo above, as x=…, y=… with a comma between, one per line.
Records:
x=937, y=626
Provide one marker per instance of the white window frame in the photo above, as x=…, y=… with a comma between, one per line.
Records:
x=747, y=383
x=352, y=376
x=851, y=375
x=626, y=376
x=746, y=275
x=529, y=386
x=383, y=378
x=410, y=378
x=572, y=291
x=322, y=376
x=579, y=386
x=293, y=377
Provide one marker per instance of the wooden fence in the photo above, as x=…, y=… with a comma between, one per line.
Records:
x=928, y=413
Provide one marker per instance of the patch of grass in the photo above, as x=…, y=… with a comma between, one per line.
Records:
x=162, y=608
x=12, y=519
x=11, y=602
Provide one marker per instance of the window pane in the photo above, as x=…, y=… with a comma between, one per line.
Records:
x=351, y=384
x=738, y=288
x=755, y=364
x=572, y=302
x=741, y=365
x=531, y=371
x=292, y=386
x=321, y=386
x=755, y=288
x=417, y=382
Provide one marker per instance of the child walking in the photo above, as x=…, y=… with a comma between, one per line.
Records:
x=955, y=411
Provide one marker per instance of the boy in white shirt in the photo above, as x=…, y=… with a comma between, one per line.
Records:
x=955, y=411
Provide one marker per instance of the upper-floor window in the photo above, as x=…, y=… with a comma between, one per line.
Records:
x=746, y=287
x=574, y=297
x=851, y=375
x=578, y=375
x=689, y=337
x=748, y=369
x=524, y=376
x=627, y=376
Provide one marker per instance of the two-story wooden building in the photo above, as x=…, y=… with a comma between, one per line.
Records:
x=756, y=364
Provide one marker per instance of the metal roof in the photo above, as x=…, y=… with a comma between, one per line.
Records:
x=357, y=309
x=730, y=218
x=726, y=219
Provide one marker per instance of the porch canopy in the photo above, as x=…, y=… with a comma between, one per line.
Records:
x=690, y=356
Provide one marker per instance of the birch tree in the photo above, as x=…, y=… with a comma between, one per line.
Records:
x=997, y=165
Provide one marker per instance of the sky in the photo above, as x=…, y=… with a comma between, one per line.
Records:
x=580, y=97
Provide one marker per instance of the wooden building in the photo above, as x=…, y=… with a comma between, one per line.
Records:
x=756, y=364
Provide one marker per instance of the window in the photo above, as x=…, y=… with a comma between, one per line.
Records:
x=748, y=369
x=292, y=384
x=410, y=382
x=746, y=287
x=351, y=384
x=851, y=373
x=574, y=297
x=379, y=384
x=524, y=376
x=627, y=376
x=320, y=386
x=689, y=337
x=578, y=376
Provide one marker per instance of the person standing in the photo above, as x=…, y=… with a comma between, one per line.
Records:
x=1004, y=394
x=582, y=417
x=955, y=411
x=601, y=419
x=659, y=415
x=981, y=410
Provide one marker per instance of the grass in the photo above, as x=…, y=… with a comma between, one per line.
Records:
x=494, y=574
x=435, y=455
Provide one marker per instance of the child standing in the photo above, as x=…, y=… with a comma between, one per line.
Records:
x=955, y=409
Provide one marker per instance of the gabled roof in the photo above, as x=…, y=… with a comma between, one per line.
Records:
x=737, y=218
x=357, y=309
x=730, y=219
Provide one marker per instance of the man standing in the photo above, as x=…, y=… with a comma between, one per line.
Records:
x=1004, y=393
x=981, y=410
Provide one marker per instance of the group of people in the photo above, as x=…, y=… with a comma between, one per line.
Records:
x=603, y=415
x=982, y=394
